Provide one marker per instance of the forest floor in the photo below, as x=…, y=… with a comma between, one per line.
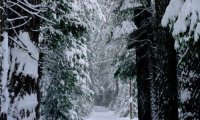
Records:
x=102, y=113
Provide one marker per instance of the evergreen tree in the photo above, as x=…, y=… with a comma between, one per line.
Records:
x=60, y=84
x=20, y=85
x=184, y=24
x=164, y=91
x=66, y=41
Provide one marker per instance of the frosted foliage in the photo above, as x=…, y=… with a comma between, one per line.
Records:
x=183, y=17
x=26, y=57
x=172, y=12
x=185, y=95
x=27, y=103
x=77, y=57
x=129, y=4
x=91, y=6
x=99, y=12
x=74, y=55
x=5, y=66
x=197, y=32
x=77, y=50
x=126, y=27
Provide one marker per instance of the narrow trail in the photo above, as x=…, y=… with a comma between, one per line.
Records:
x=102, y=113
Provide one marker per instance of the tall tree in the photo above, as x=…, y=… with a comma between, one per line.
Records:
x=164, y=91
x=20, y=85
x=184, y=24
x=72, y=96
x=142, y=42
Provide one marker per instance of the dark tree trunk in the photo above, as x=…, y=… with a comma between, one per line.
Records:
x=131, y=102
x=1, y=17
x=142, y=40
x=117, y=87
x=164, y=86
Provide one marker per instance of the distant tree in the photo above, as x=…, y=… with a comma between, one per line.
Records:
x=136, y=60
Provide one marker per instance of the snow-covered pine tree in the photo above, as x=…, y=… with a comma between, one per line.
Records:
x=182, y=16
x=58, y=82
x=67, y=44
x=20, y=89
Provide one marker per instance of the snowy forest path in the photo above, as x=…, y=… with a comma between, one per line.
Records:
x=103, y=113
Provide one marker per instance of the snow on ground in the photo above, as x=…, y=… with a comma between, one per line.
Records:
x=102, y=113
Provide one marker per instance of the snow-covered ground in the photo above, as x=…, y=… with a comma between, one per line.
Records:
x=102, y=113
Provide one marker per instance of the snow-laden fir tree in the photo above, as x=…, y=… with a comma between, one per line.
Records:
x=20, y=87
x=69, y=84
x=182, y=16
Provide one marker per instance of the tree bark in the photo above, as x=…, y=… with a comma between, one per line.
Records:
x=21, y=85
x=131, y=100
x=1, y=17
x=142, y=40
x=164, y=86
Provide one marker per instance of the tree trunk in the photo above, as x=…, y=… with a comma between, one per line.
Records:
x=142, y=39
x=164, y=86
x=1, y=19
x=117, y=87
x=23, y=86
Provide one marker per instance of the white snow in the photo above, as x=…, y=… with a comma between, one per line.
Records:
x=126, y=27
x=5, y=66
x=26, y=54
x=197, y=32
x=129, y=4
x=100, y=14
x=172, y=11
x=92, y=6
x=182, y=16
x=27, y=103
x=102, y=113
x=131, y=100
x=185, y=95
